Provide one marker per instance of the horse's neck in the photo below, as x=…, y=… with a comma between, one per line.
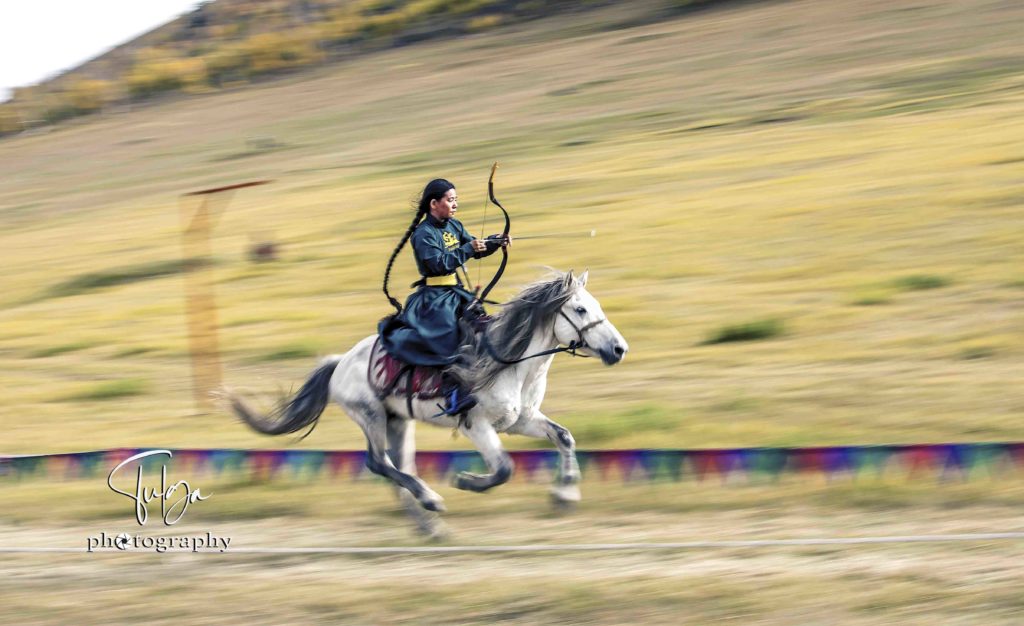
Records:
x=543, y=339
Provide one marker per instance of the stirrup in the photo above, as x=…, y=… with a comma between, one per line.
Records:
x=457, y=405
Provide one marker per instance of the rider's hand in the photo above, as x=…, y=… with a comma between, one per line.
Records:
x=479, y=245
x=498, y=240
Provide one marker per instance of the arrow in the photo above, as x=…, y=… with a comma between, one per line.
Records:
x=581, y=235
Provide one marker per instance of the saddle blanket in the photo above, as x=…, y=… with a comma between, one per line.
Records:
x=387, y=375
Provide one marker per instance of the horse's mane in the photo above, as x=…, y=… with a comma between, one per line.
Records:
x=510, y=331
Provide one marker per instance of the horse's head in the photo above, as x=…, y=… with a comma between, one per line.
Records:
x=581, y=322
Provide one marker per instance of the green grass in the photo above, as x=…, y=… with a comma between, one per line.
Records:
x=63, y=348
x=92, y=281
x=602, y=429
x=975, y=352
x=747, y=331
x=296, y=350
x=134, y=351
x=883, y=293
x=111, y=390
x=872, y=297
x=921, y=282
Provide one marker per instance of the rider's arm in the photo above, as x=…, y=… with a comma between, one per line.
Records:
x=434, y=258
x=479, y=251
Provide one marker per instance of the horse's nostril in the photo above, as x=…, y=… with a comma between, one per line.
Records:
x=618, y=350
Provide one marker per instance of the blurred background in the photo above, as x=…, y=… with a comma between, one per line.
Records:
x=809, y=222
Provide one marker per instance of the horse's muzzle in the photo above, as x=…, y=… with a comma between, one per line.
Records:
x=613, y=354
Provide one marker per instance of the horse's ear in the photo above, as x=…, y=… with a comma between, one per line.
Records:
x=582, y=280
x=569, y=278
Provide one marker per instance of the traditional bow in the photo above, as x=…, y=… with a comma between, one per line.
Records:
x=482, y=296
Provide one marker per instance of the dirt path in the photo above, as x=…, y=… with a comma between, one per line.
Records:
x=908, y=583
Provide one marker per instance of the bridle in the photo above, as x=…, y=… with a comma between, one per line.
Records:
x=571, y=348
x=582, y=343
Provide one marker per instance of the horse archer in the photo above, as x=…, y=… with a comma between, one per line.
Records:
x=501, y=363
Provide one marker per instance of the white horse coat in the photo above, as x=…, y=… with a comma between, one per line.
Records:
x=543, y=316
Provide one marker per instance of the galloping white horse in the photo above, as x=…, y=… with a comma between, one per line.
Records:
x=507, y=365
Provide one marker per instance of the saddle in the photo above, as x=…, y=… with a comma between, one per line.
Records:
x=390, y=376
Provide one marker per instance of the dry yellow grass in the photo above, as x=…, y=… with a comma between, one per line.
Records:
x=813, y=161
x=781, y=161
x=809, y=161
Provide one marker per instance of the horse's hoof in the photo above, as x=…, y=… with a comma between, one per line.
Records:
x=565, y=496
x=437, y=506
x=466, y=481
x=562, y=507
x=437, y=532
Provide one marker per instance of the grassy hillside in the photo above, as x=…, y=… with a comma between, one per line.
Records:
x=844, y=175
x=809, y=229
x=224, y=44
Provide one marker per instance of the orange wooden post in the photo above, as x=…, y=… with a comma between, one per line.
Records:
x=197, y=223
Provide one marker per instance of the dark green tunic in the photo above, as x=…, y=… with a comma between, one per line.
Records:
x=427, y=331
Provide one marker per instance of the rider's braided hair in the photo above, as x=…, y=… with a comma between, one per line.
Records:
x=434, y=190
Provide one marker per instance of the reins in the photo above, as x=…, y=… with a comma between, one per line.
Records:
x=571, y=348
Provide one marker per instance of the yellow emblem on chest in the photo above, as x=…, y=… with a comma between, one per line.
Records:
x=450, y=240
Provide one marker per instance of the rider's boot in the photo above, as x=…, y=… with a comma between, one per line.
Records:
x=458, y=401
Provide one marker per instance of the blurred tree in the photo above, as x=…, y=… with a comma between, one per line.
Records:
x=10, y=119
x=159, y=70
x=484, y=22
x=90, y=95
x=227, y=42
x=227, y=65
x=270, y=52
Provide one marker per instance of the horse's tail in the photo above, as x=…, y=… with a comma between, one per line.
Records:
x=295, y=413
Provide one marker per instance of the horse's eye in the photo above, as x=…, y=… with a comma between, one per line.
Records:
x=581, y=310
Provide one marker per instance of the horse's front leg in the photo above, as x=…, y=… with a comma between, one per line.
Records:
x=486, y=440
x=566, y=489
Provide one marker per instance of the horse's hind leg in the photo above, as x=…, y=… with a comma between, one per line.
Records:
x=486, y=440
x=373, y=420
x=402, y=450
x=566, y=488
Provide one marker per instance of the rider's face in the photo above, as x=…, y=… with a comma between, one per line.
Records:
x=446, y=206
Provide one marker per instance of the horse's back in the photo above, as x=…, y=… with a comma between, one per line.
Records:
x=351, y=369
x=363, y=348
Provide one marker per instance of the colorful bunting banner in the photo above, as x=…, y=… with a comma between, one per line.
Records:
x=960, y=461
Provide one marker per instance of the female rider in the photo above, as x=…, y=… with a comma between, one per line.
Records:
x=427, y=330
